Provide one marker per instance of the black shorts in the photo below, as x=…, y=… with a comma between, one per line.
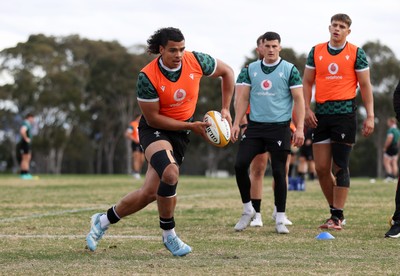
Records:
x=337, y=127
x=24, y=147
x=306, y=152
x=392, y=150
x=267, y=137
x=136, y=147
x=178, y=139
x=259, y=138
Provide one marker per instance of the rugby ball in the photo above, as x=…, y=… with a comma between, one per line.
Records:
x=219, y=132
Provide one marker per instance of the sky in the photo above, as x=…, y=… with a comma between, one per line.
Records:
x=225, y=29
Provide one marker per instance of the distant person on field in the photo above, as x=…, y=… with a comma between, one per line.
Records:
x=270, y=86
x=24, y=150
x=391, y=150
x=336, y=68
x=394, y=231
x=306, y=164
x=132, y=133
x=167, y=93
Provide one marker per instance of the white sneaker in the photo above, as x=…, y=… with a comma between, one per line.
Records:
x=286, y=221
x=136, y=175
x=281, y=228
x=256, y=221
x=176, y=246
x=96, y=232
x=244, y=221
x=389, y=179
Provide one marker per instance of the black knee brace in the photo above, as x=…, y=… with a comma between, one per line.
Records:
x=161, y=159
x=341, y=156
x=166, y=190
x=343, y=178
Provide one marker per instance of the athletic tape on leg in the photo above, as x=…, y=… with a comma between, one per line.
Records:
x=341, y=156
x=161, y=159
x=166, y=190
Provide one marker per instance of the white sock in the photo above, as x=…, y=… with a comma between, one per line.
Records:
x=167, y=233
x=280, y=217
x=104, y=222
x=274, y=210
x=248, y=208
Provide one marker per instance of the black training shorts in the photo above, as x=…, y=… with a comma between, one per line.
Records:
x=267, y=136
x=24, y=147
x=337, y=127
x=136, y=147
x=392, y=150
x=178, y=139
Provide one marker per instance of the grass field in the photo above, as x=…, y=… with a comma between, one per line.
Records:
x=43, y=224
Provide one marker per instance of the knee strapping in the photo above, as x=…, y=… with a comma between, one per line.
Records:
x=341, y=156
x=166, y=190
x=343, y=178
x=161, y=159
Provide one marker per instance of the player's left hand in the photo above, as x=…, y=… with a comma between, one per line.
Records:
x=368, y=126
x=298, y=138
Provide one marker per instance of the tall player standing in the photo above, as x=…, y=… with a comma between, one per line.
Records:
x=336, y=68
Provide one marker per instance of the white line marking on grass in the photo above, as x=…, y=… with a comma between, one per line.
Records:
x=55, y=213
x=76, y=237
x=49, y=214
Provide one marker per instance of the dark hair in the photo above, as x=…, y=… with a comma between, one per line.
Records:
x=29, y=115
x=342, y=18
x=259, y=39
x=271, y=36
x=161, y=38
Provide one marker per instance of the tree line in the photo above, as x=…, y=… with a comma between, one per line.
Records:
x=82, y=93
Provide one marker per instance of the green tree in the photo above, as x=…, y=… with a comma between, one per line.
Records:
x=45, y=84
x=74, y=86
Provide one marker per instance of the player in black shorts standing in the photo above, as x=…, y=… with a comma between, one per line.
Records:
x=132, y=133
x=334, y=71
x=306, y=158
x=24, y=151
x=270, y=86
x=391, y=150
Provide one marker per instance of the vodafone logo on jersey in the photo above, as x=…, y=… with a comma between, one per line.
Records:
x=266, y=85
x=333, y=68
x=179, y=95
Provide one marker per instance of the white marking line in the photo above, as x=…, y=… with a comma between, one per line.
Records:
x=51, y=214
x=102, y=207
x=76, y=237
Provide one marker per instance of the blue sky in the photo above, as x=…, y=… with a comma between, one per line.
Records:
x=225, y=29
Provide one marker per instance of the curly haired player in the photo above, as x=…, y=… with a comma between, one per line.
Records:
x=167, y=93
